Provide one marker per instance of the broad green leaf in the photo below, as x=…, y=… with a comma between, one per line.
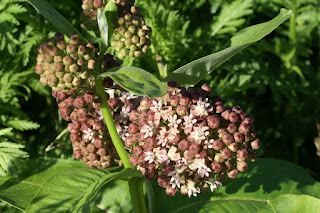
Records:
x=103, y=26
x=136, y=81
x=115, y=197
x=192, y=73
x=267, y=186
x=75, y=190
x=52, y=15
x=19, y=192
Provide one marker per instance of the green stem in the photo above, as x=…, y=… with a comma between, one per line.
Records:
x=135, y=184
x=105, y=110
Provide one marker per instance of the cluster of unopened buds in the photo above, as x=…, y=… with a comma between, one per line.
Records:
x=188, y=140
x=65, y=65
x=131, y=33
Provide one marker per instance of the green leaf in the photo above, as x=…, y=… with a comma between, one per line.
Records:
x=103, y=26
x=75, y=190
x=111, y=12
x=20, y=191
x=269, y=185
x=50, y=13
x=136, y=81
x=192, y=73
x=5, y=131
x=23, y=124
x=115, y=197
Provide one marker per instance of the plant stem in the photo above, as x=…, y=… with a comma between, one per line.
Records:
x=105, y=110
x=135, y=184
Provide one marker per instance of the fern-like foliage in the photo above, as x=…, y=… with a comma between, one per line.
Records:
x=10, y=155
x=231, y=17
x=13, y=120
x=169, y=29
x=9, y=10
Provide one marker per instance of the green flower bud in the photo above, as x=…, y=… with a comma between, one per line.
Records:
x=121, y=30
x=74, y=39
x=43, y=81
x=137, y=54
x=128, y=34
x=80, y=61
x=135, y=39
x=67, y=60
x=128, y=42
x=61, y=45
x=76, y=81
x=57, y=59
x=132, y=29
x=135, y=10
x=91, y=64
x=67, y=78
x=128, y=17
x=117, y=37
x=143, y=40
x=57, y=67
x=59, y=74
x=133, y=47
x=74, y=56
x=121, y=21
x=81, y=50
x=145, y=48
x=135, y=21
x=68, y=85
x=84, y=75
x=73, y=68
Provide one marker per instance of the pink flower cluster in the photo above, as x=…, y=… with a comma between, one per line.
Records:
x=189, y=141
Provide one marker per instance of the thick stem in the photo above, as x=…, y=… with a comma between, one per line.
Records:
x=105, y=110
x=135, y=184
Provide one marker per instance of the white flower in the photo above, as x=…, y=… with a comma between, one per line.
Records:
x=123, y=132
x=208, y=144
x=174, y=121
x=150, y=157
x=173, y=155
x=100, y=116
x=213, y=184
x=200, y=166
x=189, y=121
x=199, y=133
x=201, y=107
x=192, y=190
x=157, y=106
x=125, y=111
x=161, y=156
x=175, y=179
x=88, y=134
x=181, y=165
x=148, y=130
x=162, y=138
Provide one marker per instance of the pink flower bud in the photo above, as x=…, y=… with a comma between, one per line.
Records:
x=216, y=167
x=217, y=145
x=98, y=143
x=238, y=137
x=242, y=166
x=183, y=145
x=226, y=153
x=134, y=160
x=213, y=121
x=163, y=180
x=255, y=144
x=233, y=173
x=242, y=154
x=227, y=139
x=171, y=191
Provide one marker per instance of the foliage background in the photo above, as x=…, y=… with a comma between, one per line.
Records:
x=277, y=80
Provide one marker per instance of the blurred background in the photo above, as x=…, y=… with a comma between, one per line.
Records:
x=277, y=80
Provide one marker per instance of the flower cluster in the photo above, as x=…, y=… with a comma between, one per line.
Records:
x=189, y=141
x=131, y=33
x=88, y=134
x=64, y=66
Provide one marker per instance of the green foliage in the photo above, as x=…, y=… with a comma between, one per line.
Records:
x=9, y=11
x=192, y=73
x=231, y=17
x=137, y=81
